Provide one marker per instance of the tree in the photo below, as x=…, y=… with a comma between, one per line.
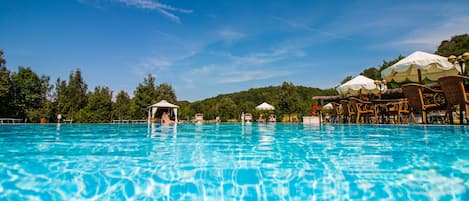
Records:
x=5, y=89
x=289, y=99
x=372, y=73
x=121, y=108
x=47, y=109
x=98, y=108
x=77, y=90
x=60, y=96
x=71, y=97
x=185, y=110
x=246, y=106
x=29, y=93
x=2, y=60
x=144, y=95
x=225, y=108
x=457, y=45
x=5, y=92
x=346, y=79
x=387, y=64
x=166, y=92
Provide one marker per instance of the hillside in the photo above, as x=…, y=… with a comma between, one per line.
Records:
x=287, y=99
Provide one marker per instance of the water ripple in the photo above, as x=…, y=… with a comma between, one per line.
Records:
x=233, y=162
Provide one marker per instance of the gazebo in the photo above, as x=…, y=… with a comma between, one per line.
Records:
x=162, y=104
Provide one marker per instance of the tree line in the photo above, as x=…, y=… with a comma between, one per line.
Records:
x=289, y=100
x=26, y=95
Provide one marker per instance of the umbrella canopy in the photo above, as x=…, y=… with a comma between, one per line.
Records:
x=419, y=65
x=328, y=106
x=164, y=104
x=265, y=106
x=359, y=84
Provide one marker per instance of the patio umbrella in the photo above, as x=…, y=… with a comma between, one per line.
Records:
x=419, y=65
x=328, y=106
x=358, y=85
x=265, y=106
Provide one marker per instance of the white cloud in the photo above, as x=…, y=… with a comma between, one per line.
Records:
x=254, y=58
x=188, y=82
x=230, y=36
x=156, y=63
x=303, y=26
x=428, y=38
x=151, y=65
x=244, y=76
x=164, y=9
x=204, y=69
x=171, y=38
x=267, y=57
x=409, y=26
x=229, y=73
x=197, y=75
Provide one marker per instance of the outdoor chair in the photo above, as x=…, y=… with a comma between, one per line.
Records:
x=348, y=111
x=455, y=93
x=397, y=109
x=363, y=109
x=423, y=99
x=338, y=113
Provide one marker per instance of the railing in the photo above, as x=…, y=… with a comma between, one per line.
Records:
x=124, y=121
x=10, y=121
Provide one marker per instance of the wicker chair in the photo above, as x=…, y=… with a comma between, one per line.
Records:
x=398, y=109
x=349, y=113
x=422, y=99
x=339, y=113
x=362, y=108
x=455, y=93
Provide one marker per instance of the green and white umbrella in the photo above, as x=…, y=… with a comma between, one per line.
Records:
x=358, y=85
x=418, y=66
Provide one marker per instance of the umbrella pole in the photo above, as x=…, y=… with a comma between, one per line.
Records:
x=419, y=74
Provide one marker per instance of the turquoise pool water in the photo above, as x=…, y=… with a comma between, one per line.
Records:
x=233, y=162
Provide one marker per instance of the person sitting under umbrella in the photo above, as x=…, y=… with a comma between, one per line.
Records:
x=165, y=118
x=272, y=118
x=261, y=118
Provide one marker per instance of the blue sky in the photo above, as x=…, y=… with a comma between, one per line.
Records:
x=206, y=47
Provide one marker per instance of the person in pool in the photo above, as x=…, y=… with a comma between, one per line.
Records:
x=165, y=118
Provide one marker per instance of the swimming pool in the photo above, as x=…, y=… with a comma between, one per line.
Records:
x=233, y=162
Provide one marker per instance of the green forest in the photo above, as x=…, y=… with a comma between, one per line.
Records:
x=26, y=95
